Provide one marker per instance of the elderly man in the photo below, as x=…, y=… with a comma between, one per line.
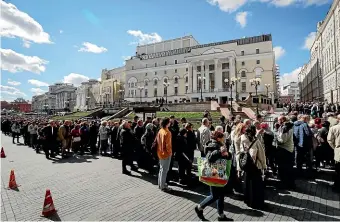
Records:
x=64, y=134
x=50, y=134
x=203, y=135
x=333, y=139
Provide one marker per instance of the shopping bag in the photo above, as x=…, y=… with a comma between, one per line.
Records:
x=214, y=174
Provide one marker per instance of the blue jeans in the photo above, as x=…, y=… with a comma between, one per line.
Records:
x=163, y=172
x=216, y=194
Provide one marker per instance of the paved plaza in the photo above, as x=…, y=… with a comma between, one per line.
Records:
x=93, y=188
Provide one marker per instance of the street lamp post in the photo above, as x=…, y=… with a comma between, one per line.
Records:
x=256, y=82
x=233, y=81
x=201, y=86
x=140, y=93
x=121, y=91
x=267, y=86
x=166, y=85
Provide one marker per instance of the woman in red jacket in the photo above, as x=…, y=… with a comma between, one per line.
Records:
x=76, y=140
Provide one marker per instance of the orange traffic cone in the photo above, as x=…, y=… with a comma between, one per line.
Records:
x=48, y=208
x=12, y=183
x=3, y=155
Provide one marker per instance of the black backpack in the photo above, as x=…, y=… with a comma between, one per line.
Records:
x=246, y=161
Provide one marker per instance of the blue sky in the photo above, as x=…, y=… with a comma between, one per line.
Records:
x=44, y=42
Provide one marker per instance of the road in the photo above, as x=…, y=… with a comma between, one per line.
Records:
x=93, y=188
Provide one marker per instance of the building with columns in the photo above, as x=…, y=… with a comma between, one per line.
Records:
x=181, y=69
x=324, y=65
x=65, y=96
x=112, y=85
x=85, y=98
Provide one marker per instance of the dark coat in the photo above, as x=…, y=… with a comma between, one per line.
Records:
x=213, y=152
x=127, y=141
x=49, y=137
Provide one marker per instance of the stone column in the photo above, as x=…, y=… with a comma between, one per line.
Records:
x=194, y=82
x=218, y=76
x=190, y=79
x=207, y=78
x=203, y=74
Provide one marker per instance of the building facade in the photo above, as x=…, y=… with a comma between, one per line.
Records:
x=112, y=85
x=85, y=99
x=44, y=102
x=65, y=96
x=183, y=70
x=325, y=58
x=291, y=89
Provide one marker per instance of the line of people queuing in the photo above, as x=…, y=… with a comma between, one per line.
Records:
x=155, y=144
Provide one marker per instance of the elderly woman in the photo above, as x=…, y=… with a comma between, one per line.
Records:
x=76, y=140
x=254, y=187
x=103, y=135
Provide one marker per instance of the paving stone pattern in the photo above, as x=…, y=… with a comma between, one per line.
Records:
x=93, y=188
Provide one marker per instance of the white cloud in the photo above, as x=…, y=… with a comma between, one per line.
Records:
x=89, y=47
x=12, y=91
x=26, y=44
x=37, y=91
x=309, y=40
x=99, y=79
x=16, y=62
x=279, y=52
x=61, y=31
x=75, y=79
x=144, y=38
x=228, y=5
x=241, y=18
x=15, y=23
x=233, y=5
x=37, y=83
x=13, y=83
x=290, y=77
x=125, y=58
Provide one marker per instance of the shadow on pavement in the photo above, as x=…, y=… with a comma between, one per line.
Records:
x=75, y=159
x=54, y=217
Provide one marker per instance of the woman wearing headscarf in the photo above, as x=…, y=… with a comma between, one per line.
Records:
x=253, y=181
x=147, y=159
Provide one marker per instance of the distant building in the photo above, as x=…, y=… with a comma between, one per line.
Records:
x=286, y=99
x=291, y=89
x=21, y=105
x=85, y=98
x=112, y=85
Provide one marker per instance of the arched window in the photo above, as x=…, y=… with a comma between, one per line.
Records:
x=243, y=74
x=186, y=79
x=155, y=82
x=176, y=80
x=146, y=83
x=165, y=80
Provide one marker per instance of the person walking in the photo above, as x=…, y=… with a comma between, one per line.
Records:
x=164, y=153
x=215, y=151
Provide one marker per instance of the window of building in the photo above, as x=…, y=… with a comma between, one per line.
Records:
x=165, y=80
x=186, y=79
x=198, y=68
x=244, y=86
x=225, y=65
x=176, y=80
x=257, y=51
x=212, y=81
x=155, y=82
x=155, y=73
x=211, y=67
x=243, y=74
x=204, y=84
x=146, y=83
x=175, y=61
x=165, y=90
x=146, y=92
x=146, y=65
x=186, y=69
x=186, y=89
x=155, y=92
x=164, y=71
x=175, y=70
x=176, y=91
x=165, y=63
x=257, y=61
x=243, y=63
x=155, y=64
x=242, y=53
x=146, y=74
x=132, y=67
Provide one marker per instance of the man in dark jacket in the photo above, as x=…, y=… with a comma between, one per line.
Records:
x=113, y=135
x=127, y=143
x=51, y=135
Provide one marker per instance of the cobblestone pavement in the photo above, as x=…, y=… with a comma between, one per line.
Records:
x=93, y=188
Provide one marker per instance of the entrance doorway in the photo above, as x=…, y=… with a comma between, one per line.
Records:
x=224, y=99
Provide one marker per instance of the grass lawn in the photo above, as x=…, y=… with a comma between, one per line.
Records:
x=73, y=116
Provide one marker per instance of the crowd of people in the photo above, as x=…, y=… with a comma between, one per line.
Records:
x=315, y=109
x=297, y=145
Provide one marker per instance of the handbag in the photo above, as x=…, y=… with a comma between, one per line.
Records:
x=214, y=174
x=246, y=161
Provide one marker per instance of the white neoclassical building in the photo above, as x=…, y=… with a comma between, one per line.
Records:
x=182, y=69
x=65, y=96
x=84, y=94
